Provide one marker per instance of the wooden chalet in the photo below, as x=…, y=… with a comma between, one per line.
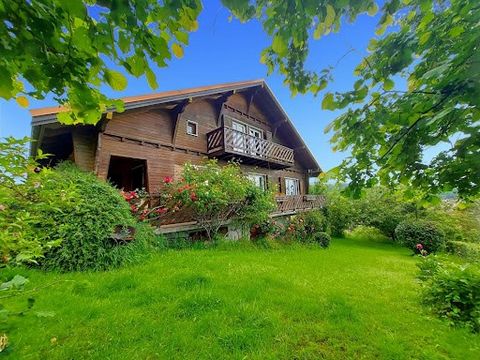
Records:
x=158, y=133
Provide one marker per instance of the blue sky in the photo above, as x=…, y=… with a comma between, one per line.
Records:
x=222, y=51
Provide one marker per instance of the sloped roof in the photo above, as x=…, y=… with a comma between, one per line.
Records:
x=48, y=115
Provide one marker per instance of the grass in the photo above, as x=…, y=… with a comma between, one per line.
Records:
x=357, y=299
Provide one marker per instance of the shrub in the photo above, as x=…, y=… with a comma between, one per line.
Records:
x=460, y=221
x=215, y=194
x=411, y=233
x=453, y=293
x=322, y=238
x=78, y=222
x=465, y=250
x=339, y=212
x=304, y=226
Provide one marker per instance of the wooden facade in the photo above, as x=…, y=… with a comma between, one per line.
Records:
x=157, y=134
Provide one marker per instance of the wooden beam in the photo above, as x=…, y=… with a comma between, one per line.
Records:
x=277, y=125
x=251, y=100
x=176, y=113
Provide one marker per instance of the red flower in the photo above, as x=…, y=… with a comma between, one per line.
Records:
x=193, y=196
x=419, y=246
x=161, y=210
x=168, y=179
x=133, y=207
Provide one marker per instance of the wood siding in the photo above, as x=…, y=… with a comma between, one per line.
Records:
x=158, y=135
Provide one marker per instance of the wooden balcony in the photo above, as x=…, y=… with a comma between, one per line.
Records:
x=227, y=143
x=294, y=203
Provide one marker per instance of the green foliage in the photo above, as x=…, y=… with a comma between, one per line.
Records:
x=340, y=212
x=322, y=238
x=216, y=194
x=15, y=168
x=65, y=47
x=69, y=220
x=411, y=233
x=382, y=209
x=469, y=251
x=433, y=46
x=306, y=226
x=460, y=221
x=291, y=24
x=89, y=214
x=452, y=291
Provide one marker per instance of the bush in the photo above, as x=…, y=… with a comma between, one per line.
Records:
x=453, y=293
x=322, y=239
x=215, y=194
x=470, y=251
x=304, y=226
x=87, y=221
x=339, y=212
x=410, y=233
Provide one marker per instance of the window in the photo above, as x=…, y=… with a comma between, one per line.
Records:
x=192, y=128
x=292, y=186
x=259, y=180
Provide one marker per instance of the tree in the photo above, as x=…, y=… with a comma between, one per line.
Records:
x=64, y=47
x=435, y=48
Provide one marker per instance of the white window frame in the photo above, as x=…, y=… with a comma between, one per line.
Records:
x=296, y=186
x=253, y=176
x=196, y=127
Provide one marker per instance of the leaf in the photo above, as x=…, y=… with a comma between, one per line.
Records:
x=177, y=50
x=424, y=38
x=18, y=282
x=116, y=80
x=319, y=31
x=372, y=10
x=330, y=17
x=22, y=101
x=456, y=31
x=388, y=84
x=279, y=45
x=151, y=78
x=328, y=103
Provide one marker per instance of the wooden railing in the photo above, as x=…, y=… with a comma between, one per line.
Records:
x=233, y=141
x=286, y=205
x=294, y=203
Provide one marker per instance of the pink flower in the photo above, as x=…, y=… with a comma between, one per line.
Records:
x=168, y=179
x=419, y=246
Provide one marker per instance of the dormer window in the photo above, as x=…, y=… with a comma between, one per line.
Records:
x=192, y=128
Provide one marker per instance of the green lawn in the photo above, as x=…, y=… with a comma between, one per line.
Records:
x=357, y=299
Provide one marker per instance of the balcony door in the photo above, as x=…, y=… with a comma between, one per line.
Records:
x=239, y=138
x=254, y=141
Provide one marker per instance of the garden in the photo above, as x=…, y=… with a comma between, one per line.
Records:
x=84, y=274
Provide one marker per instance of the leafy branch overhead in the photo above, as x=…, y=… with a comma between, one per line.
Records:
x=66, y=48
x=427, y=134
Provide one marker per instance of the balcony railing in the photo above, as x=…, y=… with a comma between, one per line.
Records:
x=226, y=141
x=295, y=203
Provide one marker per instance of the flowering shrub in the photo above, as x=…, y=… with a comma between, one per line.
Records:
x=306, y=226
x=420, y=236
x=212, y=195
